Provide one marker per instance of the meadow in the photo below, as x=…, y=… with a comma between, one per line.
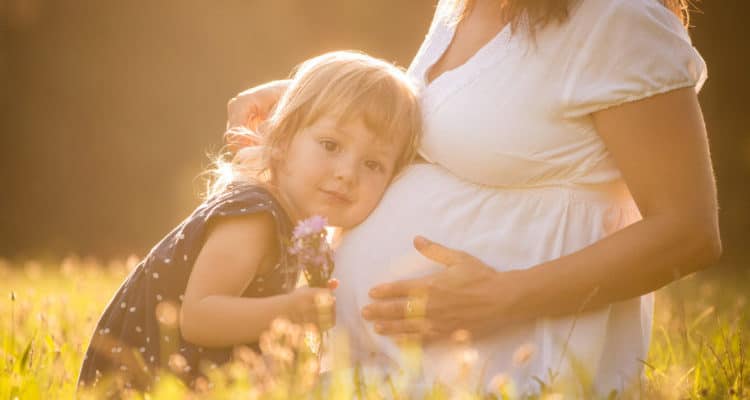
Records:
x=48, y=311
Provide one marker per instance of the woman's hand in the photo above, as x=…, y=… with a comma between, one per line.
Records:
x=249, y=108
x=467, y=295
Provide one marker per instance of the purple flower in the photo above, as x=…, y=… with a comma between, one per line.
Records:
x=310, y=252
x=310, y=226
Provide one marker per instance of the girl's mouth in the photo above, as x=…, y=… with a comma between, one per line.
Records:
x=336, y=197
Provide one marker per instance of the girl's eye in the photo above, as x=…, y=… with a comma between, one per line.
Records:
x=329, y=145
x=373, y=165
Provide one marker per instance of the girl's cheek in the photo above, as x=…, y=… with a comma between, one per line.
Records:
x=378, y=185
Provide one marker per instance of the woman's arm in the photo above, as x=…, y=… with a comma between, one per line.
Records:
x=660, y=146
x=248, y=110
x=213, y=311
x=253, y=105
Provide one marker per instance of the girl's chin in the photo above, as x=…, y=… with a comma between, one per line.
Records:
x=337, y=222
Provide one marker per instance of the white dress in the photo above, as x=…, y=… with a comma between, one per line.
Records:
x=518, y=176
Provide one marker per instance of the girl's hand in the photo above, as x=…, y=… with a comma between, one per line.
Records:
x=467, y=295
x=313, y=305
x=251, y=107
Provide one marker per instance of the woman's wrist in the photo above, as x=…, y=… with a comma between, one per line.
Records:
x=555, y=288
x=514, y=296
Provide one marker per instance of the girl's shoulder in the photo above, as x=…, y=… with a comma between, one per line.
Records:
x=243, y=192
x=243, y=198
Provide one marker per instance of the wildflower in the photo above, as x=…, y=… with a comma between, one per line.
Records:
x=523, y=354
x=294, y=335
x=245, y=355
x=201, y=385
x=68, y=266
x=177, y=363
x=4, y=267
x=469, y=357
x=167, y=313
x=310, y=226
x=461, y=336
x=269, y=343
x=284, y=355
x=310, y=251
x=311, y=366
x=280, y=326
x=311, y=338
x=499, y=384
x=33, y=270
x=131, y=262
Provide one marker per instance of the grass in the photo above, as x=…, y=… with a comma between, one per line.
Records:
x=698, y=351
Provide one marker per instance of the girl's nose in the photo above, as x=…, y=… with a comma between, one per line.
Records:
x=346, y=171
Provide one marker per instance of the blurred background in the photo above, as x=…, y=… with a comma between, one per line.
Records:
x=108, y=109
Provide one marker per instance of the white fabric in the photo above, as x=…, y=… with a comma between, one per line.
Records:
x=519, y=176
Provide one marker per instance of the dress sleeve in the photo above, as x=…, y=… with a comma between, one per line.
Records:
x=445, y=12
x=241, y=200
x=633, y=50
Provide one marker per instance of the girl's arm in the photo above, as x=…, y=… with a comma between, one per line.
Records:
x=660, y=146
x=213, y=311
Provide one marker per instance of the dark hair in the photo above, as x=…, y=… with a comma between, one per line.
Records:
x=542, y=12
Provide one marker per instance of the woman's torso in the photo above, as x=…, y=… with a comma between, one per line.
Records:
x=517, y=176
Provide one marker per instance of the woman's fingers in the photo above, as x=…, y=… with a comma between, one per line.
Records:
x=385, y=310
x=439, y=253
x=253, y=105
x=414, y=306
x=409, y=338
x=403, y=327
x=240, y=109
x=255, y=119
x=398, y=289
x=461, y=296
x=401, y=308
x=435, y=252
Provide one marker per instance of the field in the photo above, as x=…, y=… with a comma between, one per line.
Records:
x=48, y=311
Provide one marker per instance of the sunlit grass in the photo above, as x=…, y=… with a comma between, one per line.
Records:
x=48, y=311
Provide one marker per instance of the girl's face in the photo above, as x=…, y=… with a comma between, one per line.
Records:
x=338, y=170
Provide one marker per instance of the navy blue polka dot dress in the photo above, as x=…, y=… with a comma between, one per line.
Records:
x=138, y=333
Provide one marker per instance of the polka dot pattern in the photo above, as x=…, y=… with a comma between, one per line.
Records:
x=126, y=328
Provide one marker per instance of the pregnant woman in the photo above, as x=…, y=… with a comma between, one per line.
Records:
x=566, y=176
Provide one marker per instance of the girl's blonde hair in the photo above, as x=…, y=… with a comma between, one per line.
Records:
x=346, y=84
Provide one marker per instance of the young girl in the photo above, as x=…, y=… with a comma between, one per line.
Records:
x=342, y=130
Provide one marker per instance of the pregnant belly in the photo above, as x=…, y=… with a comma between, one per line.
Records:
x=507, y=229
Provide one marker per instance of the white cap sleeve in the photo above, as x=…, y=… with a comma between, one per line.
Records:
x=633, y=49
